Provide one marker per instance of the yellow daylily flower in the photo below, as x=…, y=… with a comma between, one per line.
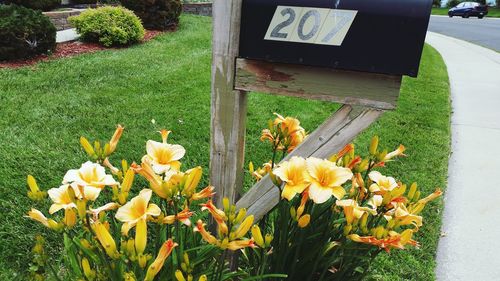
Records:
x=182, y=216
x=107, y=207
x=162, y=155
x=89, y=180
x=327, y=179
x=38, y=216
x=375, y=201
x=154, y=180
x=240, y=244
x=398, y=152
x=207, y=236
x=403, y=216
x=156, y=266
x=352, y=210
x=137, y=209
x=294, y=174
x=61, y=198
x=382, y=184
x=207, y=192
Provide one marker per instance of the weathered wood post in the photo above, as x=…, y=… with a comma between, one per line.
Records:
x=228, y=106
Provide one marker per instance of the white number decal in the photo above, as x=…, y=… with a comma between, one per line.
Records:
x=314, y=25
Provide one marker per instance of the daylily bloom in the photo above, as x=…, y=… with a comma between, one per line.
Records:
x=106, y=240
x=207, y=236
x=38, y=216
x=403, y=216
x=135, y=213
x=207, y=192
x=217, y=214
x=262, y=171
x=394, y=240
x=156, y=266
x=107, y=207
x=382, y=184
x=154, y=180
x=61, y=198
x=182, y=216
x=162, y=155
x=240, y=244
x=327, y=179
x=296, y=134
x=294, y=174
x=375, y=201
x=431, y=197
x=352, y=210
x=89, y=180
x=398, y=152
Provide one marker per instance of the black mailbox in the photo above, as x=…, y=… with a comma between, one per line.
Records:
x=379, y=36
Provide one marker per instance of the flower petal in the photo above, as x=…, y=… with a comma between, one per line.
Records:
x=319, y=194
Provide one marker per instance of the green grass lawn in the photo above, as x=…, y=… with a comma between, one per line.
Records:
x=492, y=12
x=46, y=108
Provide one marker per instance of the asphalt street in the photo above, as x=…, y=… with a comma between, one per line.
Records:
x=484, y=32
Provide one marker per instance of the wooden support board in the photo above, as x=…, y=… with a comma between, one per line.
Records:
x=337, y=131
x=347, y=87
x=228, y=106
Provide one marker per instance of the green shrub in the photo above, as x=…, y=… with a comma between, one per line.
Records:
x=156, y=14
x=108, y=26
x=44, y=5
x=24, y=33
x=453, y=3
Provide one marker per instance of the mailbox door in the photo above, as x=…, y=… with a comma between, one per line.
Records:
x=383, y=36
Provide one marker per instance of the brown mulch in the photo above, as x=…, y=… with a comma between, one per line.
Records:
x=70, y=49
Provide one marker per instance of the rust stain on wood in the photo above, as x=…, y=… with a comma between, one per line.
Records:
x=268, y=72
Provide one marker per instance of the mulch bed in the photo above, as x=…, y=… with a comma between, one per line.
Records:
x=70, y=49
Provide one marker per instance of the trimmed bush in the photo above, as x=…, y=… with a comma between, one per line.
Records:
x=109, y=26
x=83, y=1
x=452, y=3
x=44, y=5
x=25, y=33
x=156, y=14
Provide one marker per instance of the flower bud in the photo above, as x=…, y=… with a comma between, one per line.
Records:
x=347, y=229
x=244, y=227
x=250, y=167
x=203, y=278
x=293, y=213
x=87, y=146
x=81, y=206
x=114, y=140
x=373, y=145
x=225, y=204
x=411, y=192
x=141, y=236
x=268, y=240
x=257, y=236
x=87, y=271
x=241, y=215
x=69, y=218
x=304, y=220
x=179, y=276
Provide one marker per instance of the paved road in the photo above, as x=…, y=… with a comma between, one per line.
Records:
x=484, y=32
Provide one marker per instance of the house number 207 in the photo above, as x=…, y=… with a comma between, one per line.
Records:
x=310, y=25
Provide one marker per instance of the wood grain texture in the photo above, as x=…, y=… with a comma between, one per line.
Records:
x=346, y=87
x=337, y=131
x=228, y=107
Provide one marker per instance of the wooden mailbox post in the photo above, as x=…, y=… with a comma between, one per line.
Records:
x=352, y=52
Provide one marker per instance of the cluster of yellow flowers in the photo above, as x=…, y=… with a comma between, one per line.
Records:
x=374, y=209
x=93, y=229
x=284, y=134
